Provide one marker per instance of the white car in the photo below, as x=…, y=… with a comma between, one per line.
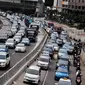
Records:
x=20, y=48
x=14, y=29
x=56, y=47
x=22, y=32
x=44, y=62
x=4, y=59
x=62, y=52
x=32, y=74
x=64, y=81
x=17, y=38
x=10, y=43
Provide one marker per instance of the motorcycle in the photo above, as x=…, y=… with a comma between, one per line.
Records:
x=78, y=80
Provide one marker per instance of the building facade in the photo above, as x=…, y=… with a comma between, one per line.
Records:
x=61, y=5
x=78, y=5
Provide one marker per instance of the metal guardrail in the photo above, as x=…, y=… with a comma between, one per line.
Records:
x=6, y=76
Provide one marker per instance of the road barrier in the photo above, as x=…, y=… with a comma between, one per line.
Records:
x=8, y=77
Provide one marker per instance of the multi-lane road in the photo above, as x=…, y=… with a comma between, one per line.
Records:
x=16, y=57
x=47, y=77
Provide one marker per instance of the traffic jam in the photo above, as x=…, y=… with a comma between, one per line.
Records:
x=60, y=52
x=18, y=37
x=60, y=49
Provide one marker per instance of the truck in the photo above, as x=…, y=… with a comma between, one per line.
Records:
x=31, y=34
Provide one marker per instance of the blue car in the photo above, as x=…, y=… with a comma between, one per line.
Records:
x=3, y=48
x=62, y=72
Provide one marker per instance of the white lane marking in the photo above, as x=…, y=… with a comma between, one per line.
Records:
x=56, y=83
x=45, y=78
x=13, y=53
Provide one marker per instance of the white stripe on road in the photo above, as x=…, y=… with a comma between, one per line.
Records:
x=45, y=78
x=13, y=53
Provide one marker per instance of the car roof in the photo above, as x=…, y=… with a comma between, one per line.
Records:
x=2, y=45
x=64, y=81
x=45, y=57
x=3, y=53
x=64, y=62
x=34, y=67
x=20, y=44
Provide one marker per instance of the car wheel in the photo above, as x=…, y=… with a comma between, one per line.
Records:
x=9, y=64
x=55, y=78
x=24, y=81
x=38, y=82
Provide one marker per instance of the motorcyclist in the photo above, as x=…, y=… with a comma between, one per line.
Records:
x=78, y=80
x=78, y=77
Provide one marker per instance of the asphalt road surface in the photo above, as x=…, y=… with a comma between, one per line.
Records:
x=16, y=57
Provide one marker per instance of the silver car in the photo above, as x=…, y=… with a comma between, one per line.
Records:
x=20, y=48
x=10, y=43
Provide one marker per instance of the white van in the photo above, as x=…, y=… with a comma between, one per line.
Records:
x=32, y=74
x=44, y=62
x=4, y=59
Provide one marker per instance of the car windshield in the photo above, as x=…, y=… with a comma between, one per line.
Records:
x=62, y=62
x=2, y=57
x=2, y=46
x=62, y=51
x=47, y=49
x=44, y=59
x=64, y=83
x=20, y=45
x=32, y=71
x=10, y=41
x=62, y=69
x=17, y=37
x=18, y=34
x=25, y=39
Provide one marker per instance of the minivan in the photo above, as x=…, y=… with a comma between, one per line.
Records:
x=4, y=59
x=32, y=74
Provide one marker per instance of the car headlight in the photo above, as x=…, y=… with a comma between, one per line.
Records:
x=25, y=77
x=3, y=63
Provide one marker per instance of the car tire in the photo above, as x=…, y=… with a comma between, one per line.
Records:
x=38, y=82
x=9, y=64
x=24, y=81
x=55, y=78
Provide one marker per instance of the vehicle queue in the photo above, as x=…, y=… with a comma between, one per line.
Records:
x=59, y=42
x=15, y=37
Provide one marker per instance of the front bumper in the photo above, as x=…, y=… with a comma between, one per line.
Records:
x=30, y=81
